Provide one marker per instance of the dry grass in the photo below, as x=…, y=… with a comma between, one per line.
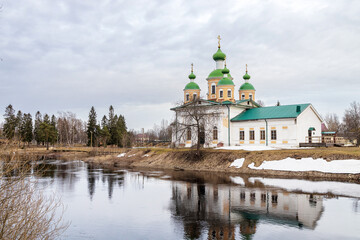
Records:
x=25, y=212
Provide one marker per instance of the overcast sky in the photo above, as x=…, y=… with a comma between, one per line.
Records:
x=73, y=54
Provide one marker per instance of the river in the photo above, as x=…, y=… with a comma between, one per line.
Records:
x=144, y=204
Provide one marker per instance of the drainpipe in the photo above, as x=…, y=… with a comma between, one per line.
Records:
x=266, y=132
x=228, y=124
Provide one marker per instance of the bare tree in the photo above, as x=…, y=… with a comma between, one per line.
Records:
x=71, y=130
x=332, y=122
x=351, y=123
x=198, y=118
x=261, y=103
x=25, y=212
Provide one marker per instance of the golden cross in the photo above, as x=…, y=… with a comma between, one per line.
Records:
x=192, y=67
x=246, y=68
x=225, y=61
x=219, y=40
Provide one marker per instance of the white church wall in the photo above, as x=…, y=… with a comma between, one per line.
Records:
x=308, y=118
x=285, y=132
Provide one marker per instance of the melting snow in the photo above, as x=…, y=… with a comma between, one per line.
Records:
x=309, y=164
x=257, y=148
x=121, y=155
x=237, y=163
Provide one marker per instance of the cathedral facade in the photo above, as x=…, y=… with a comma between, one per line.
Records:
x=231, y=117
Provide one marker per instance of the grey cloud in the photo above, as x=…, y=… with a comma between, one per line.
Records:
x=63, y=55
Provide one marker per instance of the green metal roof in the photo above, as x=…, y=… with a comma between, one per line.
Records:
x=225, y=81
x=192, y=85
x=247, y=86
x=285, y=111
x=219, y=55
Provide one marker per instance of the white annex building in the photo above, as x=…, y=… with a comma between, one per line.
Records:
x=236, y=119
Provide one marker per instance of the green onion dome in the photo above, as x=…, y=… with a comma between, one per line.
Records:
x=217, y=73
x=191, y=85
x=225, y=81
x=247, y=86
x=225, y=70
x=246, y=76
x=219, y=55
x=192, y=75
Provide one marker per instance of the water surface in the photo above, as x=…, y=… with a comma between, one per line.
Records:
x=134, y=204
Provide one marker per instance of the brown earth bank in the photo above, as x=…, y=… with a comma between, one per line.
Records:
x=209, y=160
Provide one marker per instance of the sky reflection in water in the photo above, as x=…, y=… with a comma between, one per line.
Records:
x=122, y=204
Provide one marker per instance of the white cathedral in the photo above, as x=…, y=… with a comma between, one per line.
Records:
x=241, y=121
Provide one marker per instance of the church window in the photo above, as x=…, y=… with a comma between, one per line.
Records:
x=194, y=96
x=242, y=135
x=250, y=97
x=188, y=134
x=221, y=94
x=252, y=135
x=213, y=88
x=215, y=133
x=229, y=93
x=187, y=97
x=242, y=96
x=273, y=134
x=262, y=134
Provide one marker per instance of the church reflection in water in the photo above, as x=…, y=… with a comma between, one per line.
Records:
x=221, y=209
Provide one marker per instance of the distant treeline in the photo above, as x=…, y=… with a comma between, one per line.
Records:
x=65, y=129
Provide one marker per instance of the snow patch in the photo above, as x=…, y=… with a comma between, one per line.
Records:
x=237, y=180
x=131, y=155
x=258, y=148
x=323, y=187
x=237, y=163
x=310, y=164
x=146, y=155
x=121, y=155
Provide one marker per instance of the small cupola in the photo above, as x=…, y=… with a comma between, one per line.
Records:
x=192, y=89
x=247, y=90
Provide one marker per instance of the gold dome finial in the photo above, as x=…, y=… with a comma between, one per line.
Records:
x=218, y=41
x=192, y=67
x=225, y=62
x=246, y=68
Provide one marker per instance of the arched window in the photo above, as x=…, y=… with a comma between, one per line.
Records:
x=194, y=96
x=229, y=93
x=187, y=97
x=221, y=94
x=213, y=88
x=215, y=133
x=242, y=96
x=250, y=96
x=188, y=134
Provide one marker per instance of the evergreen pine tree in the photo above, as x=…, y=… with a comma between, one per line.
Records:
x=37, y=134
x=54, y=129
x=19, y=126
x=112, y=125
x=47, y=131
x=122, y=132
x=92, y=130
x=27, y=128
x=10, y=122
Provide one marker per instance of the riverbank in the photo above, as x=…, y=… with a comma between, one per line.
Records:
x=220, y=161
x=210, y=160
